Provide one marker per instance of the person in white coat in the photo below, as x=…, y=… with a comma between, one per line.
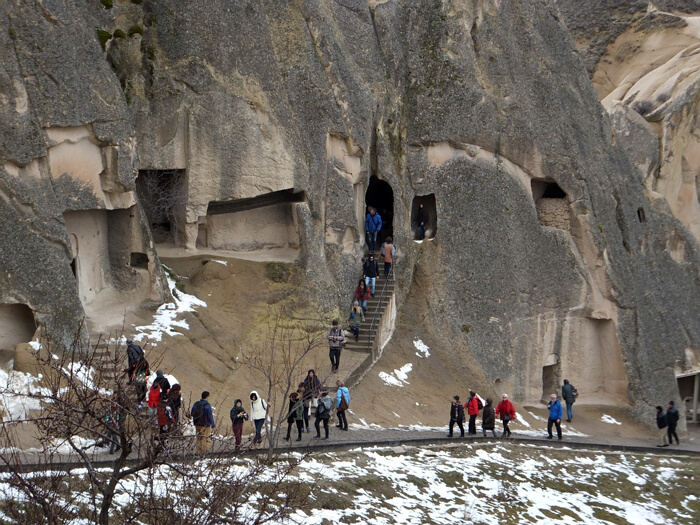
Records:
x=258, y=413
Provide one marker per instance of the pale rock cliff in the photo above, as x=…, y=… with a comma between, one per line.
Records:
x=551, y=259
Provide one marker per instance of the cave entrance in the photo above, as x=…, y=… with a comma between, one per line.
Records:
x=429, y=216
x=381, y=197
x=551, y=204
x=550, y=381
x=17, y=325
x=162, y=194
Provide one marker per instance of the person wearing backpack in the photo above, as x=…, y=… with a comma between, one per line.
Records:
x=164, y=413
x=134, y=354
x=488, y=418
x=387, y=252
x=238, y=417
x=323, y=413
x=357, y=316
x=672, y=418
x=163, y=382
x=154, y=395
x=456, y=416
x=342, y=403
x=336, y=337
x=258, y=413
x=473, y=405
x=140, y=381
x=661, y=424
x=203, y=420
x=362, y=294
x=569, y=393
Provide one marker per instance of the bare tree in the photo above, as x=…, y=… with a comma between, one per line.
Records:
x=277, y=361
x=162, y=481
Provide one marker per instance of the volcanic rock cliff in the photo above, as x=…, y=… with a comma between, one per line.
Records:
x=269, y=125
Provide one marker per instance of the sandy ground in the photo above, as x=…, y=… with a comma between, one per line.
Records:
x=210, y=355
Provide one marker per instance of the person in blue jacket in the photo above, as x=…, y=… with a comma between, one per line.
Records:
x=555, y=414
x=373, y=223
x=342, y=403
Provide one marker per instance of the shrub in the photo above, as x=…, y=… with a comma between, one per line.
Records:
x=103, y=36
x=108, y=4
x=119, y=34
x=134, y=30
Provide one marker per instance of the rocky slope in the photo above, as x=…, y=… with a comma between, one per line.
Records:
x=553, y=256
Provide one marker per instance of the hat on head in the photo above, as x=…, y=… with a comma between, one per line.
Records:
x=671, y=403
x=159, y=373
x=129, y=341
x=659, y=408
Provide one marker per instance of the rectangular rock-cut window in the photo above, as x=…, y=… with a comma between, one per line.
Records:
x=429, y=215
x=139, y=260
x=551, y=204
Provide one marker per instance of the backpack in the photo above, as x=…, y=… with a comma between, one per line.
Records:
x=140, y=378
x=198, y=414
x=574, y=392
x=479, y=404
x=164, y=414
x=154, y=396
x=322, y=410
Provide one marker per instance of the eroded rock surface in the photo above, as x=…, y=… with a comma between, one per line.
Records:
x=551, y=257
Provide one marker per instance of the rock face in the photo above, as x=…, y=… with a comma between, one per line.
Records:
x=69, y=223
x=551, y=257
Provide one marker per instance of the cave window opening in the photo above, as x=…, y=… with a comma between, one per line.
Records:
x=429, y=216
x=550, y=382
x=17, y=325
x=641, y=215
x=162, y=194
x=380, y=196
x=551, y=204
x=139, y=260
x=74, y=268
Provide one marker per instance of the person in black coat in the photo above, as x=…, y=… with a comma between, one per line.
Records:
x=488, y=418
x=456, y=416
x=661, y=423
x=672, y=418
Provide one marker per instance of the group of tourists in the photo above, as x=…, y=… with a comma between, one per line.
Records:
x=667, y=423
x=164, y=400
x=506, y=412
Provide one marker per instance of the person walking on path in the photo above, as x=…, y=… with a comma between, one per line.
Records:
x=164, y=413
x=421, y=219
x=163, y=382
x=472, y=407
x=238, y=417
x=661, y=424
x=506, y=411
x=370, y=272
x=672, y=418
x=387, y=253
x=175, y=402
x=362, y=294
x=312, y=389
x=456, y=416
x=323, y=413
x=203, y=419
x=294, y=404
x=555, y=414
x=488, y=418
x=569, y=393
x=134, y=354
x=258, y=413
x=357, y=316
x=342, y=403
x=140, y=380
x=373, y=223
x=335, y=338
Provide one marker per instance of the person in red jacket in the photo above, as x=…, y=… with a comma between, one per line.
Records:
x=506, y=411
x=472, y=407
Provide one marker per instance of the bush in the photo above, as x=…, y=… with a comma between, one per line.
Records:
x=108, y=4
x=119, y=34
x=643, y=106
x=134, y=30
x=103, y=36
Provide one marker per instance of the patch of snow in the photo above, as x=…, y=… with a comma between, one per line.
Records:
x=225, y=263
x=36, y=345
x=397, y=377
x=423, y=349
x=16, y=391
x=165, y=320
x=609, y=419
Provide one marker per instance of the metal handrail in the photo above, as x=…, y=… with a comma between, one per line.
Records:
x=378, y=309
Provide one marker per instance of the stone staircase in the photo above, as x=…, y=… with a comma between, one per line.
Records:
x=359, y=356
